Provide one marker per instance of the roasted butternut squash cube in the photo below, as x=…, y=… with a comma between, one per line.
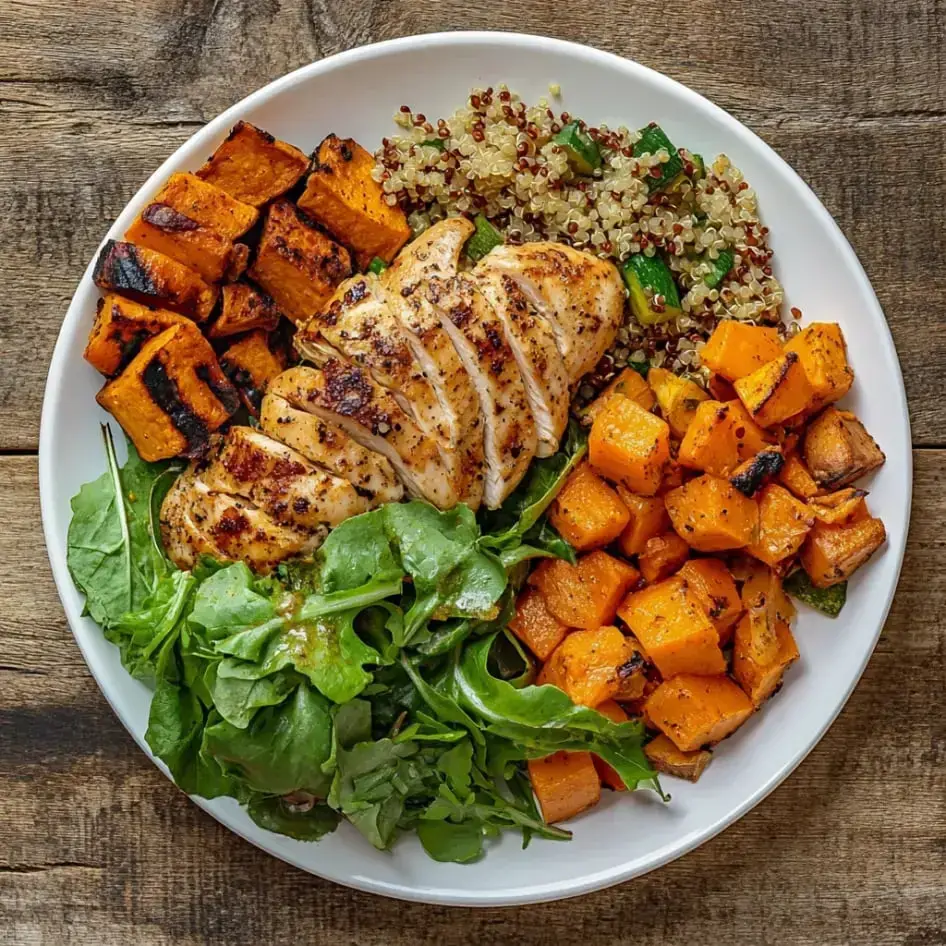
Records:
x=710, y=443
x=823, y=354
x=839, y=508
x=629, y=445
x=762, y=588
x=672, y=625
x=667, y=759
x=172, y=396
x=565, y=784
x=121, y=327
x=677, y=398
x=648, y=518
x=148, y=276
x=710, y=580
x=342, y=195
x=208, y=205
x=751, y=476
x=696, y=711
x=628, y=383
x=587, y=512
x=251, y=363
x=535, y=625
x=252, y=166
x=296, y=263
x=736, y=349
x=721, y=389
x=838, y=450
x=242, y=309
x=784, y=523
x=712, y=515
x=662, y=556
x=831, y=554
x=606, y=773
x=795, y=476
x=776, y=391
x=592, y=666
x=585, y=595
x=751, y=439
x=761, y=678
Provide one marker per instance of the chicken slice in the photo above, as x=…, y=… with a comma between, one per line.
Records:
x=533, y=345
x=345, y=396
x=580, y=296
x=479, y=338
x=327, y=446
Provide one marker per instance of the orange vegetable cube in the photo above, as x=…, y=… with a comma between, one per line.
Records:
x=760, y=678
x=243, y=309
x=751, y=476
x=762, y=588
x=712, y=515
x=535, y=625
x=784, y=522
x=838, y=449
x=209, y=205
x=587, y=512
x=821, y=349
x=628, y=383
x=721, y=389
x=711, y=444
x=673, y=627
x=839, y=508
x=667, y=759
x=710, y=580
x=606, y=773
x=751, y=439
x=565, y=784
x=795, y=477
x=677, y=398
x=736, y=349
x=648, y=517
x=777, y=391
x=697, y=711
x=662, y=556
x=629, y=445
x=831, y=554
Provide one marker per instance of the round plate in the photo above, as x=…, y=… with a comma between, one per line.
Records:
x=355, y=95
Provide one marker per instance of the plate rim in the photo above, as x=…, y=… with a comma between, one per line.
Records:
x=554, y=890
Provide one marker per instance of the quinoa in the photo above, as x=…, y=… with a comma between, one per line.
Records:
x=496, y=156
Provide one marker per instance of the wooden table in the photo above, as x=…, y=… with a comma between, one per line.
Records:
x=96, y=847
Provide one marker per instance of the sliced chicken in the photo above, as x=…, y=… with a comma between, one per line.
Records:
x=580, y=296
x=345, y=396
x=533, y=345
x=479, y=338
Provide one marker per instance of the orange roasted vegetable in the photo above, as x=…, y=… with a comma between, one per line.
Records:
x=820, y=347
x=587, y=512
x=836, y=509
x=673, y=627
x=674, y=475
x=607, y=774
x=751, y=439
x=710, y=443
x=629, y=383
x=777, y=391
x=736, y=349
x=667, y=759
x=712, y=515
x=535, y=625
x=342, y=195
x=208, y=205
x=565, y=784
x=760, y=677
x=251, y=363
x=172, y=396
x=709, y=579
x=662, y=556
x=629, y=445
x=795, y=476
x=252, y=166
x=721, y=389
x=677, y=397
x=585, y=595
x=838, y=450
x=697, y=711
x=762, y=588
x=784, y=522
x=831, y=554
x=244, y=308
x=648, y=518
x=121, y=327
x=751, y=476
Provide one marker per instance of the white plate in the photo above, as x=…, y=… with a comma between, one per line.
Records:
x=355, y=94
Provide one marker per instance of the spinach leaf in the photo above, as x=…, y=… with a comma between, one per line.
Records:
x=358, y=552
x=452, y=843
x=232, y=599
x=305, y=823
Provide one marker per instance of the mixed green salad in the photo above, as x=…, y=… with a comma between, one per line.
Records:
x=376, y=684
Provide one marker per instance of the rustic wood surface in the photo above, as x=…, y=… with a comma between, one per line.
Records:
x=97, y=847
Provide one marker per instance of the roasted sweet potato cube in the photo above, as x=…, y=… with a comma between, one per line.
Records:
x=606, y=773
x=630, y=384
x=831, y=554
x=342, y=195
x=251, y=363
x=760, y=678
x=710, y=580
x=677, y=398
x=296, y=263
x=648, y=517
x=784, y=522
x=797, y=479
x=587, y=511
x=121, y=327
x=585, y=595
x=252, y=166
x=662, y=556
x=839, y=508
x=777, y=391
x=672, y=625
x=751, y=476
x=592, y=666
x=667, y=759
x=751, y=439
x=710, y=443
x=712, y=515
x=838, y=450
x=242, y=309
x=565, y=784
x=172, y=396
x=208, y=205
x=629, y=445
x=821, y=349
x=736, y=349
x=150, y=277
x=535, y=625
x=675, y=475
x=696, y=711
